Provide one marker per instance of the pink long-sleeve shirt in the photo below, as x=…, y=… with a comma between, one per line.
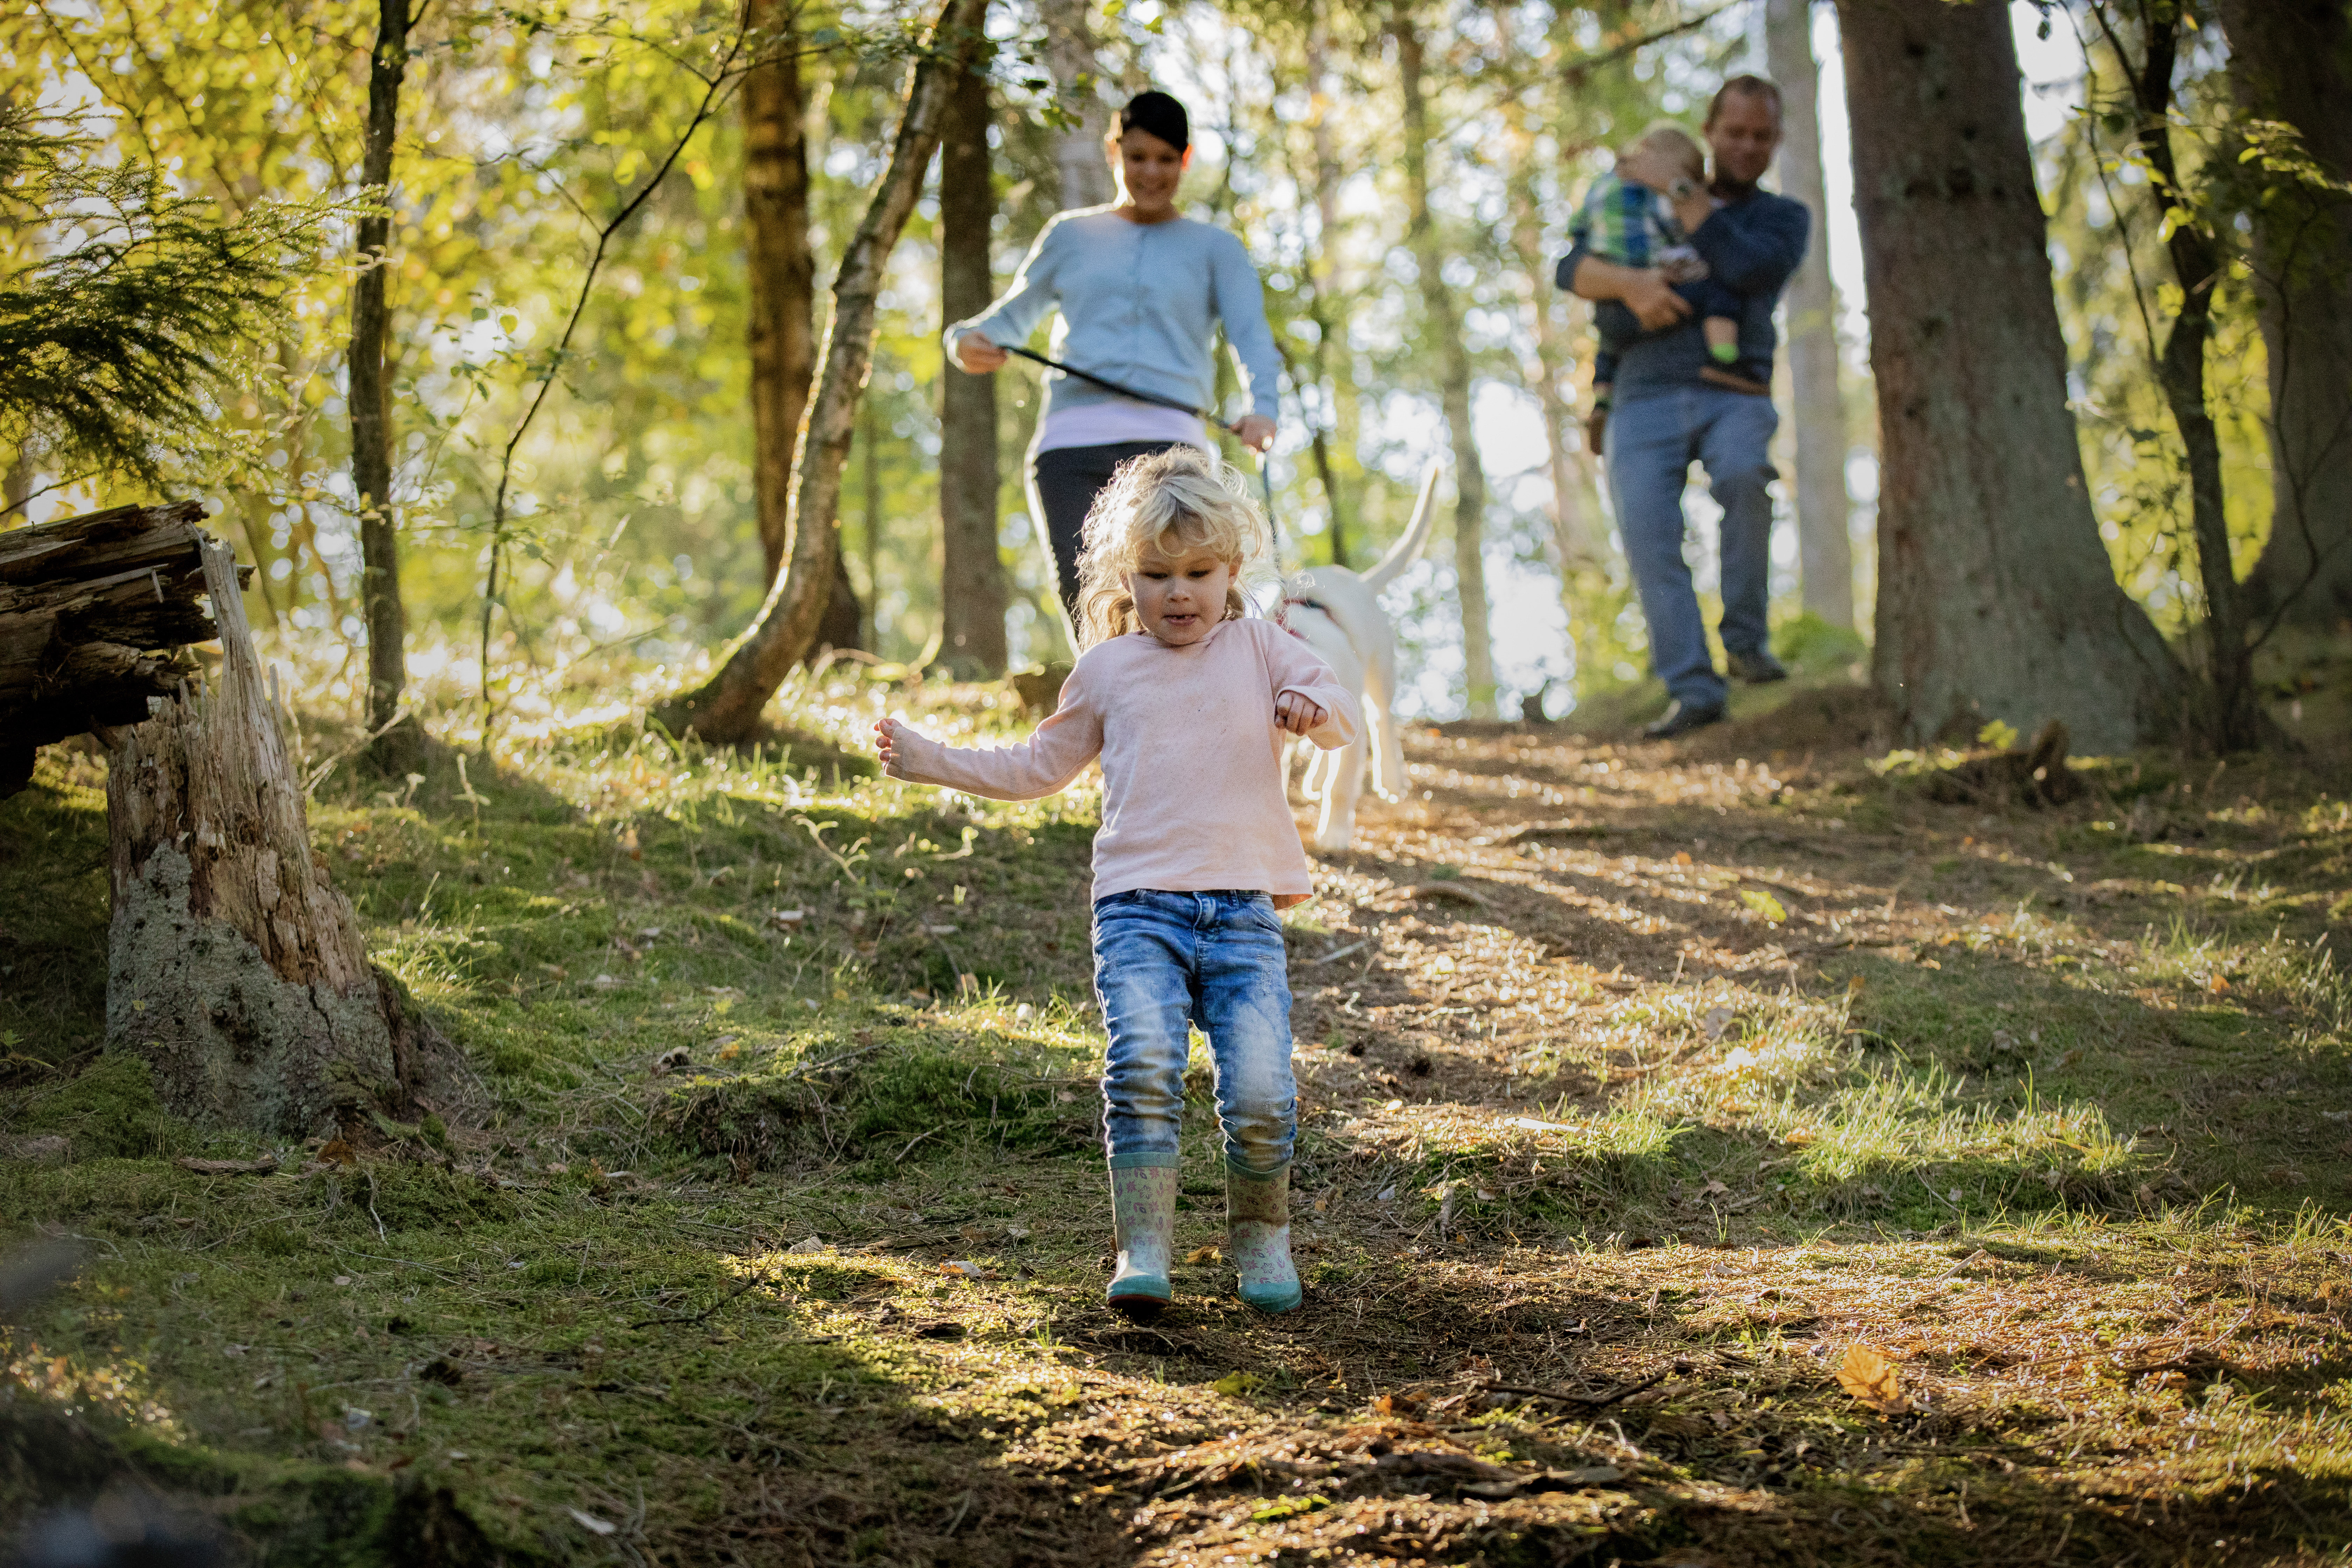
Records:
x=1192, y=759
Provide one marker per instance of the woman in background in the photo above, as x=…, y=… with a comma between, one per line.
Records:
x=1142, y=291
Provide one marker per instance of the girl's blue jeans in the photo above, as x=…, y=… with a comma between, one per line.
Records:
x=1166, y=962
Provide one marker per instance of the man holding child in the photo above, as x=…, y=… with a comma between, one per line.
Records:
x=1686, y=384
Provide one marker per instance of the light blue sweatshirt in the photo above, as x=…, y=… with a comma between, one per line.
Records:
x=1140, y=303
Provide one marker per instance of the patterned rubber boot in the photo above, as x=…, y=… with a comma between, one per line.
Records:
x=1143, y=1215
x=1257, y=1235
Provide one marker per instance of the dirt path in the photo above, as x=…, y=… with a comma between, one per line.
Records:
x=1708, y=1156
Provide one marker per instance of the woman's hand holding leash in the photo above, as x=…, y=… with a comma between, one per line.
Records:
x=977, y=354
x=1254, y=431
x=1298, y=714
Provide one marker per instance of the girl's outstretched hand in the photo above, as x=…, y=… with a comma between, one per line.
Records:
x=1297, y=714
x=886, y=737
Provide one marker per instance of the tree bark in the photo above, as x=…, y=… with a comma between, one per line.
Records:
x=2291, y=62
x=1996, y=599
x=783, y=268
x=973, y=590
x=2234, y=722
x=726, y=708
x=1444, y=324
x=233, y=966
x=1824, y=551
x=397, y=746
x=1078, y=151
x=1572, y=533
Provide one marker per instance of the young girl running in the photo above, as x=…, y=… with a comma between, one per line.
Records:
x=1184, y=696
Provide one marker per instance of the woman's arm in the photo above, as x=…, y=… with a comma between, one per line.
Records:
x=1015, y=314
x=1053, y=754
x=1239, y=298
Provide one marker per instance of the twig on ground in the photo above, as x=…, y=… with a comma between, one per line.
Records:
x=698, y=1317
x=1595, y=1401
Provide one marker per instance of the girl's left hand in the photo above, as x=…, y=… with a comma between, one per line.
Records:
x=885, y=738
x=1297, y=714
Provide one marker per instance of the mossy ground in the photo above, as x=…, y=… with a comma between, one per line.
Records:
x=1639, y=1084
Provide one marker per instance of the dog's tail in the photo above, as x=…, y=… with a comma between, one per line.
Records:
x=1405, y=550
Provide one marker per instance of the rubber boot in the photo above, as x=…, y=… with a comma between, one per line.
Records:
x=1143, y=1215
x=1257, y=1238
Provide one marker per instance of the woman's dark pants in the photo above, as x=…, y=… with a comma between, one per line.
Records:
x=1063, y=484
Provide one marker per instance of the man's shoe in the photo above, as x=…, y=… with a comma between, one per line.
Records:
x=1682, y=719
x=1757, y=668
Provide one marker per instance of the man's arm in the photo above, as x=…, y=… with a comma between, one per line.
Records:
x=1758, y=252
x=1641, y=289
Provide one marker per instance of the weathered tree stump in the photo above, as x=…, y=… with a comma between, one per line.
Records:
x=234, y=966
x=2036, y=776
x=85, y=603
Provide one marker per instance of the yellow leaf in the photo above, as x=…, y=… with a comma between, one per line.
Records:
x=1682, y=857
x=1234, y=1384
x=1764, y=904
x=1202, y=1255
x=1871, y=1379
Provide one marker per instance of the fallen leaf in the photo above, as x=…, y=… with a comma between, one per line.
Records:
x=1202, y=1255
x=1682, y=857
x=1872, y=1381
x=1234, y=1384
x=803, y=1247
x=335, y=1152
x=961, y=1270
x=1764, y=904
x=1854, y=986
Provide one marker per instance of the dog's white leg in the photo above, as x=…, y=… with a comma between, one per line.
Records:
x=1337, y=827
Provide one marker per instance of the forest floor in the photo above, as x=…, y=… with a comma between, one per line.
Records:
x=1714, y=1152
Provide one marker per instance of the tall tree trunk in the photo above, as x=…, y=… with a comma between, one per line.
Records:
x=233, y=966
x=2291, y=63
x=1824, y=553
x=726, y=708
x=973, y=590
x=1323, y=279
x=397, y=746
x=869, y=539
x=783, y=268
x=1078, y=151
x=1996, y=599
x=1572, y=529
x=1444, y=324
x=2235, y=719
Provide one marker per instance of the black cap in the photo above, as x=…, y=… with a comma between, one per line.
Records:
x=1158, y=113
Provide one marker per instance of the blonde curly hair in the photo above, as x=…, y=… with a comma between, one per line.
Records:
x=1178, y=499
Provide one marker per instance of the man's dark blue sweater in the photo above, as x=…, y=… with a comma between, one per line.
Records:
x=1752, y=244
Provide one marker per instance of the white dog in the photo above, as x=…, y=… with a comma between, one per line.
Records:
x=1337, y=613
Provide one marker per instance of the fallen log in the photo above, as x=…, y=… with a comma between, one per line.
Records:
x=91, y=609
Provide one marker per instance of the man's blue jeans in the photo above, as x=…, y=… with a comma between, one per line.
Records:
x=1655, y=435
x=1164, y=963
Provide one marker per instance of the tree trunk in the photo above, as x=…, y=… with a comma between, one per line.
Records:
x=973, y=590
x=726, y=708
x=397, y=746
x=1444, y=324
x=783, y=268
x=2234, y=722
x=1078, y=151
x=2291, y=63
x=233, y=966
x=1572, y=534
x=1996, y=599
x=1824, y=553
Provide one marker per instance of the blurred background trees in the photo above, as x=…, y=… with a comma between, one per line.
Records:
x=1404, y=175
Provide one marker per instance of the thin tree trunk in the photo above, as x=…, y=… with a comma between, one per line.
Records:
x=869, y=467
x=1444, y=324
x=1824, y=552
x=234, y=966
x=2235, y=722
x=2291, y=63
x=783, y=268
x=397, y=746
x=1323, y=277
x=1078, y=151
x=726, y=708
x=972, y=589
x=1996, y=599
x=1572, y=538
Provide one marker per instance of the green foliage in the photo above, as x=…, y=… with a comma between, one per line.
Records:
x=130, y=311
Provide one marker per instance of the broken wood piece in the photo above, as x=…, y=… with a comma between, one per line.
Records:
x=1539, y=832
x=260, y=1167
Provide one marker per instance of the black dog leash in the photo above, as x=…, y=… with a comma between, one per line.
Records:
x=1265, y=473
